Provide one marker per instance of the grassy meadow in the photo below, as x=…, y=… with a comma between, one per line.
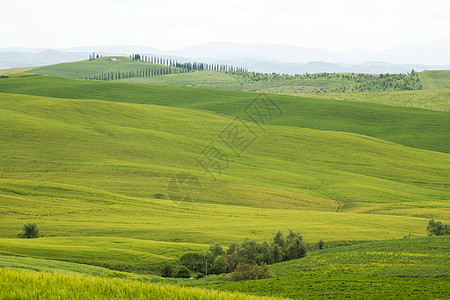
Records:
x=93, y=164
x=397, y=269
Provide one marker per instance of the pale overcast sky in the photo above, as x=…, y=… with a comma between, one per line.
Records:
x=171, y=24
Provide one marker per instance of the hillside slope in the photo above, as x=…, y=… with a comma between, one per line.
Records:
x=95, y=175
x=435, y=79
x=408, y=126
x=52, y=137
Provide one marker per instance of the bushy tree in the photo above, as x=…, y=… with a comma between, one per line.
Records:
x=438, y=228
x=29, y=231
x=294, y=246
x=193, y=261
x=320, y=244
x=264, y=253
x=214, y=251
x=279, y=239
x=250, y=272
x=220, y=265
x=234, y=259
x=277, y=253
x=248, y=248
x=183, y=272
x=167, y=270
x=232, y=248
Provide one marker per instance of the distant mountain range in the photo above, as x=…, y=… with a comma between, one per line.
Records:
x=259, y=57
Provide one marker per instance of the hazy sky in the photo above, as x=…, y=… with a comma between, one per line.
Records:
x=170, y=24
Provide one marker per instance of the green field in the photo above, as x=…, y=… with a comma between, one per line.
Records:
x=408, y=126
x=435, y=79
x=398, y=269
x=427, y=99
x=92, y=163
x=28, y=285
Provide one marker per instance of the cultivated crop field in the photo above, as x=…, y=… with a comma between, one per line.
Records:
x=27, y=285
x=123, y=178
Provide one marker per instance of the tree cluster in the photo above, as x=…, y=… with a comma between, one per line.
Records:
x=355, y=82
x=248, y=259
x=94, y=56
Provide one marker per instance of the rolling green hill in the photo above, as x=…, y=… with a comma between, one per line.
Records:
x=89, y=173
x=408, y=126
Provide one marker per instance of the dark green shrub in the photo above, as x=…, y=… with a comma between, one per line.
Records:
x=167, y=270
x=320, y=244
x=158, y=196
x=29, y=231
x=220, y=265
x=438, y=228
x=183, y=272
x=250, y=272
x=193, y=261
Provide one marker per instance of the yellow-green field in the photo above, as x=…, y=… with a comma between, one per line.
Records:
x=435, y=79
x=28, y=285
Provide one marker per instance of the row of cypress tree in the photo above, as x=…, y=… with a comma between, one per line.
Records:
x=143, y=73
x=189, y=66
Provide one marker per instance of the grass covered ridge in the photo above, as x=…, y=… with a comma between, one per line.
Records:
x=412, y=127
